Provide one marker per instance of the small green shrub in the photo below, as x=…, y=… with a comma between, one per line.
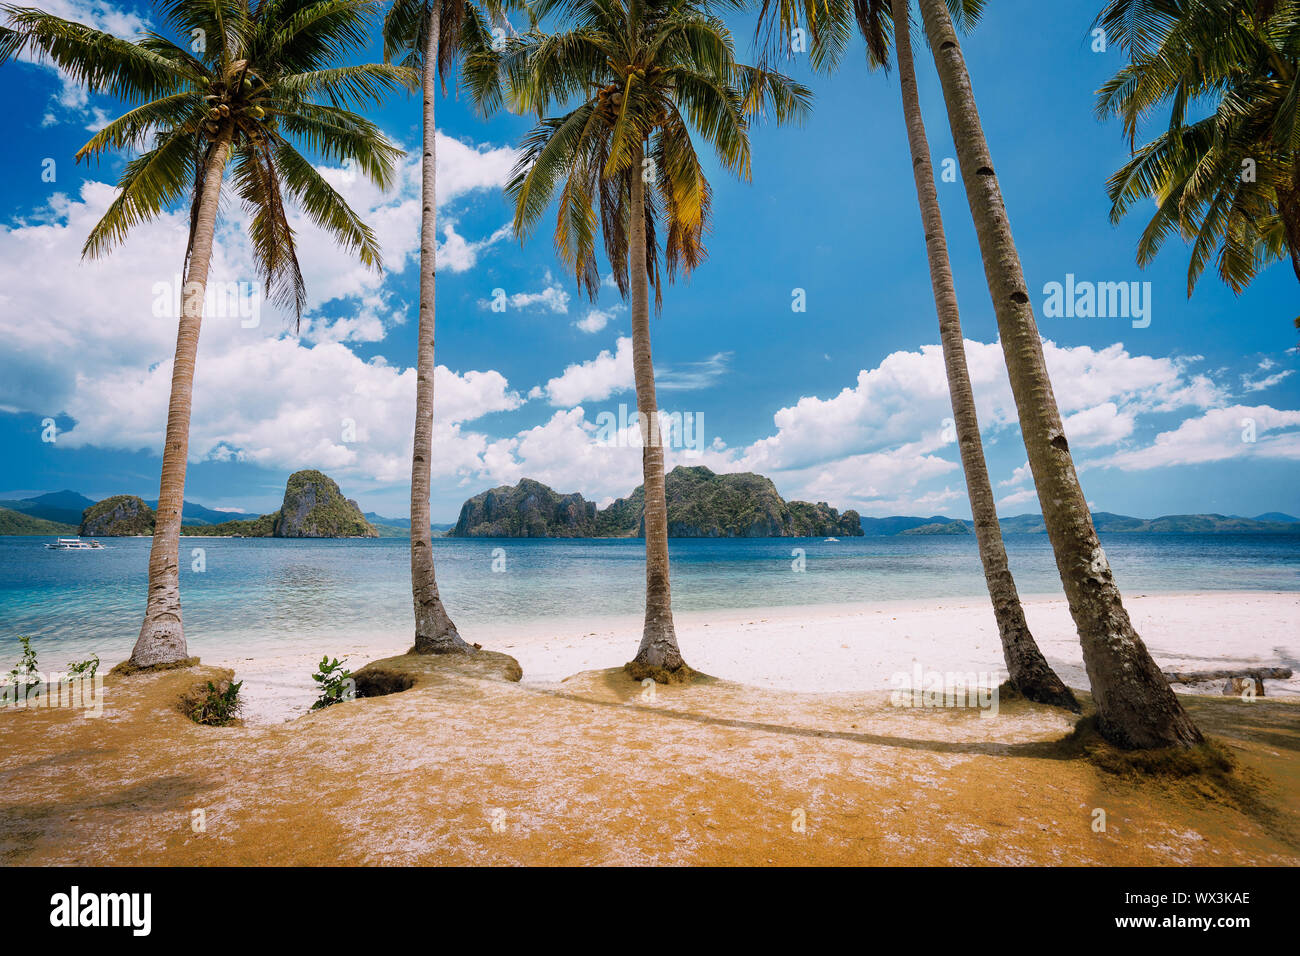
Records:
x=19, y=681
x=335, y=683
x=219, y=707
x=86, y=668
x=25, y=672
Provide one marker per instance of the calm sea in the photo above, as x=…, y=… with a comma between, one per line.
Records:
x=292, y=592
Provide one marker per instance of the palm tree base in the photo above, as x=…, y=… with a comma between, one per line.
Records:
x=1152, y=720
x=1047, y=690
x=447, y=644
x=639, y=670
x=161, y=645
x=126, y=668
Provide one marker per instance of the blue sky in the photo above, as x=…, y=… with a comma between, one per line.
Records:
x=844, y=402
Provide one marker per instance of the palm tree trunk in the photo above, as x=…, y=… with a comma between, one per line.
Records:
x=1135, y=706
x=1028, y=670
x=434, y=631
x=658, y=656
x=162, y=636
x=1288, y=201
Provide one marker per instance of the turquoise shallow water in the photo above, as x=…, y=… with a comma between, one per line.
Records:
x=282, y=591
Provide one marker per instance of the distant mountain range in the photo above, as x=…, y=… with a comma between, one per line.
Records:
x=63, y=507
x=66, y=507
x=403, y=525
x=60, y=512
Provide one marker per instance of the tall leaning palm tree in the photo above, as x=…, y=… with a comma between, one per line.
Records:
x=643, y=73
x=1026, y=666
x=1135, y=706
x=264, y=81
x=830, y=24
x=1228, y=182
x=430, y=36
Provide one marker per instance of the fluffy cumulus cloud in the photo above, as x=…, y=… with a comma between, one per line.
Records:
x=550, y=298
x=886, y=441
x=607, y=374
x=1023, y=497
x=884, y=445
x=93, y=340
x=903, y=402
x=564, y=452
x=279, y=404
x=1220, y=434
x=597, y=319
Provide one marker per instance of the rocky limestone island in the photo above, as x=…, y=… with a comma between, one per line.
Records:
x=115, y=517
x=313, y=507
x=701, y=504
x=528, y=510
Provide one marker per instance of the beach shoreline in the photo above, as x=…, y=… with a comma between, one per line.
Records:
x=831, y=648
x=469, y=766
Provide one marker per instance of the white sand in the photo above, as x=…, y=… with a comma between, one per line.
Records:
x=843, y=647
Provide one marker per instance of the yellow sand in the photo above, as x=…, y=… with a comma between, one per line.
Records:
x=465, y=768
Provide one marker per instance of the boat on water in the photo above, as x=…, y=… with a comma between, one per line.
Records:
x=73, y=544
x=829, y=540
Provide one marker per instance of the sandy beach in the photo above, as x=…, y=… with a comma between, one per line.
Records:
x=791, y=752
x=467, y=766
x=840, y=648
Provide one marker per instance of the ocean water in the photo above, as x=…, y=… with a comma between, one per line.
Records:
x=286, y=594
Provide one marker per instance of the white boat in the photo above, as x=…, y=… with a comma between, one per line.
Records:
x=829, y=540
x=73, y=544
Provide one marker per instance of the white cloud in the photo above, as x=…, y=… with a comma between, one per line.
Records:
x=597, y=319
x=99, y=118
x=552, y=298
x=279, y=404
x=904, y=401
x=1252, y=383
x=564, y=454
x=84, y=338
x=605, y=375
x=1021, y=474
x=1218, y=435
x=1021, y=497
x=693, y=375
x=878, y=483
x=1103, y=424
x=878, y=446
x=457, y=254
x=465, y=168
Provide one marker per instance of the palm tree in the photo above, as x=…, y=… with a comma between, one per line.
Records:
x=1026, y=666
x=644, y=73
x=830, y=25
x=1135, y=706
x=263, y=79
x=429, y=36
x=1229, y=182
